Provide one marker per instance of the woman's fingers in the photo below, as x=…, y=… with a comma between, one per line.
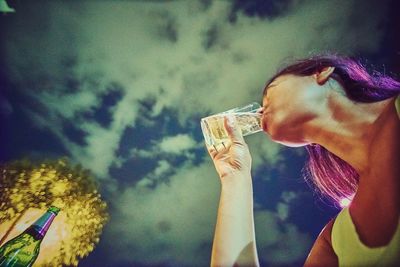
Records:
x=234, y=132
x=235, y=138
x=219, y=149
x=212, y=150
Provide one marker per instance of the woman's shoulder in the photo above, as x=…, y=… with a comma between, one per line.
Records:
x=322, y=253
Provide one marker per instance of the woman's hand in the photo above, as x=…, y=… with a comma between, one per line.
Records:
x=232, y=158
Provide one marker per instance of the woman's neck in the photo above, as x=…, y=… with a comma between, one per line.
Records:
x=347, y=129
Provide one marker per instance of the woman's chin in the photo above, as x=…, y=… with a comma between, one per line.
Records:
x=290, y=143
x=283, y=138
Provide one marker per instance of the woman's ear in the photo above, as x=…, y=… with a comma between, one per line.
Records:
x=323, y=75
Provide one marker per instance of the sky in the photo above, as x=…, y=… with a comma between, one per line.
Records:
x=119, y=87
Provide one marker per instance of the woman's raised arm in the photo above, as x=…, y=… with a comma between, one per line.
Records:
x=234, y=240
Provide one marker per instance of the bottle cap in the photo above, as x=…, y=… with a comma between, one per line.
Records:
x=54, y=209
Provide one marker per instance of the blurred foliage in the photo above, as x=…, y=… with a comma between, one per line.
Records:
x=25, y=185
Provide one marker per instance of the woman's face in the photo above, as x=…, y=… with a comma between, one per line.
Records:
x=289, y=102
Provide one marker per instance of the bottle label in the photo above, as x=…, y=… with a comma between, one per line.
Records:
x=42, y=225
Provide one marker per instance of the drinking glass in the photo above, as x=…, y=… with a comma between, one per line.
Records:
x=248, y=119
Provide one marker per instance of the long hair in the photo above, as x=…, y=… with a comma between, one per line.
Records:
x=328, y=174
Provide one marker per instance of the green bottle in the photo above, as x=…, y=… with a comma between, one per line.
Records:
x=22, y=250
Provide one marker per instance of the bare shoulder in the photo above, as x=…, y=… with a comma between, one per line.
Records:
x=322, y=253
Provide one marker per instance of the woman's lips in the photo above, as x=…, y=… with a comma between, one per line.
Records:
x=264, y=123
x=264, y=118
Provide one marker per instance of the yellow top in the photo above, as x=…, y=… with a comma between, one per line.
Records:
x=349, y=248
x=352, y=252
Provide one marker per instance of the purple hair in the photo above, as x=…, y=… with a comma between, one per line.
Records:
x=330, y=175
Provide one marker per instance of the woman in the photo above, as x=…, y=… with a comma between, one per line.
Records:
x=348, y=120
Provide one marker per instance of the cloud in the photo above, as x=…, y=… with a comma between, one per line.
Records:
x=279, y=244
x=282, y=207
x=166, y=152
x=177, y=144
x=163, y=170
x=264, y=151
x=174, y=221
x=171, y=154
x=5, y=8
x=283, y=210
x=188, y=56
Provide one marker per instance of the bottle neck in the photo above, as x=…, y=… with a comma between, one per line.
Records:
x=39, y=228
